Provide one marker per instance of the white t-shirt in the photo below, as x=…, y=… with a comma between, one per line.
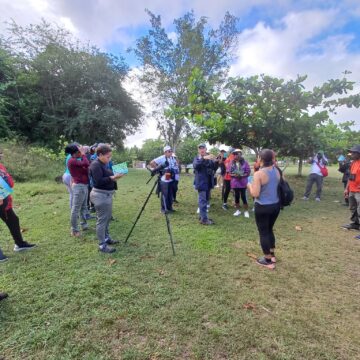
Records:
x=315, y=168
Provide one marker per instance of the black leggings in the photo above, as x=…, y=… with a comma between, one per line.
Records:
x=226, y=190
x=241, y=192
x=265, y=216
x=12, y=222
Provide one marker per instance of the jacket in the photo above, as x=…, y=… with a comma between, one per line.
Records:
x=204, y=173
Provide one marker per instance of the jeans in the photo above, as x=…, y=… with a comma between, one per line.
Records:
x=354, y=206
x=204, y=197
x=67, y=181
x=12, y=222
x=265, y=216
x=102, y=200
x=79, y=206
x=166, y=195
x=314, y=178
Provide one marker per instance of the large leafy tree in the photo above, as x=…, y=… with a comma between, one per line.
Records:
x=168, y=59
x=263, y=111
x=65, y=88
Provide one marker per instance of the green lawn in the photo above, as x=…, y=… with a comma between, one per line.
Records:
x=210, y=301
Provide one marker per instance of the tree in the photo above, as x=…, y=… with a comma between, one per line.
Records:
x=151, y=149
x=168, y=62
x=187, y=150
x=65, y=88
x=267, y=112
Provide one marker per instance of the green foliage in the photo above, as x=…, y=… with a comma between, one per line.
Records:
x=60, y=87
x=151, y=149
x=267, y=112
x=31, y=163
x=187, y=150
x=168, y=63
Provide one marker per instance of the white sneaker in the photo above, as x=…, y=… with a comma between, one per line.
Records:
x=208, y=206
x=198, y=211
x=317, y=199
x=253, y=209
x=246, y=214
x=237, y=213
x=305, y=198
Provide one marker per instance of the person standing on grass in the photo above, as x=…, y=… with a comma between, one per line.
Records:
x=352, y=190
x=267, y=205
x=170, y=168
x=78, y=166
x=9, y=217
x=227, y=179
x=344, y=168
x=317, y=162
x=239, y=172
x=204, y=168
x=104, y=186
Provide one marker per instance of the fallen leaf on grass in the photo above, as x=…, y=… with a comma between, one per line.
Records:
x=298, y=228
x=249, y=306
x=111, y=262
x=161, y=272
x=237, y=245
x=24, y=230
x=253, y=256
x=147, y=257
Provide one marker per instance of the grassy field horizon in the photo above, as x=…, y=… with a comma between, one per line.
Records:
x=210, y=301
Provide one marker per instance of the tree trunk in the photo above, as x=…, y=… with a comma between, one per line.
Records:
x=300, y=166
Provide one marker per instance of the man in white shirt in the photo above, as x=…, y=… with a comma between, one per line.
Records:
x=167, y=177
x=318, y=163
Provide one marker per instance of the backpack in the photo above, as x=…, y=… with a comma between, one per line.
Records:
x=286, y=194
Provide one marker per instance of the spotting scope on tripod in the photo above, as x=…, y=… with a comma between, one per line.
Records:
x=156, y=171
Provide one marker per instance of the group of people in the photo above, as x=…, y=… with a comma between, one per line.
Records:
x=94, y=173
x=91, y=182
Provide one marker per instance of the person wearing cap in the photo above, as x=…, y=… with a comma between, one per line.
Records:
x=204, y=169
x=239, y=172
x=352, y=190
x=344, y=168
x=175, y=186
x=168, y=172
x=220, y=172
x=9, y=217
x=318, y=162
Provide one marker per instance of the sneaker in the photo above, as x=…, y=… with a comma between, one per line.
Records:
x=3, y=296
x=263, y=262
x=237, y=213
x=246, y=214
x=253, y=209
x=305, y=198
x=111, y=242
x=317, y=199
x=3, y=257
x=106, y=249
x=208, y=206
x=357, y=237
x=89, y=217
x=207, y=222
x=225, y=207
x=75, y=233
x=351, y=226
x=198, y=211
x=175, y=201
x=24, y=246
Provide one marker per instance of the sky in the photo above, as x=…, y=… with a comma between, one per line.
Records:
x=283, y=38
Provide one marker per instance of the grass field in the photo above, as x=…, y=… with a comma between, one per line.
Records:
x=210, y=301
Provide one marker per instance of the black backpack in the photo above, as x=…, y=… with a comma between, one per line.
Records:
x=286, y=194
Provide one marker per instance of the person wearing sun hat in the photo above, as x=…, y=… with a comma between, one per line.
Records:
x=352, y=190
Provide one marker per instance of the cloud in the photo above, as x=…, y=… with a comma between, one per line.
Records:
x=297, y=45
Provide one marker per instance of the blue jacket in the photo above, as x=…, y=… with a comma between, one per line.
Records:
x=204, y=173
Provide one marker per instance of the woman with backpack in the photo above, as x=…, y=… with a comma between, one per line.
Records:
x=267, y=205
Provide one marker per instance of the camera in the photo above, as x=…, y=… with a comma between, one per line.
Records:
x=158, y=169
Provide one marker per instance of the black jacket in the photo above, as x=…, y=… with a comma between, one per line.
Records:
x=100, y=176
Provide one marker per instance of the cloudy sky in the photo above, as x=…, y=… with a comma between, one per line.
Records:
x=320, y=38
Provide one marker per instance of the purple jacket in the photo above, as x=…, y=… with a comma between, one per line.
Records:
x=239, y=182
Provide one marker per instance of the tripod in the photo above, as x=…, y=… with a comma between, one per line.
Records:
x=168, y=225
